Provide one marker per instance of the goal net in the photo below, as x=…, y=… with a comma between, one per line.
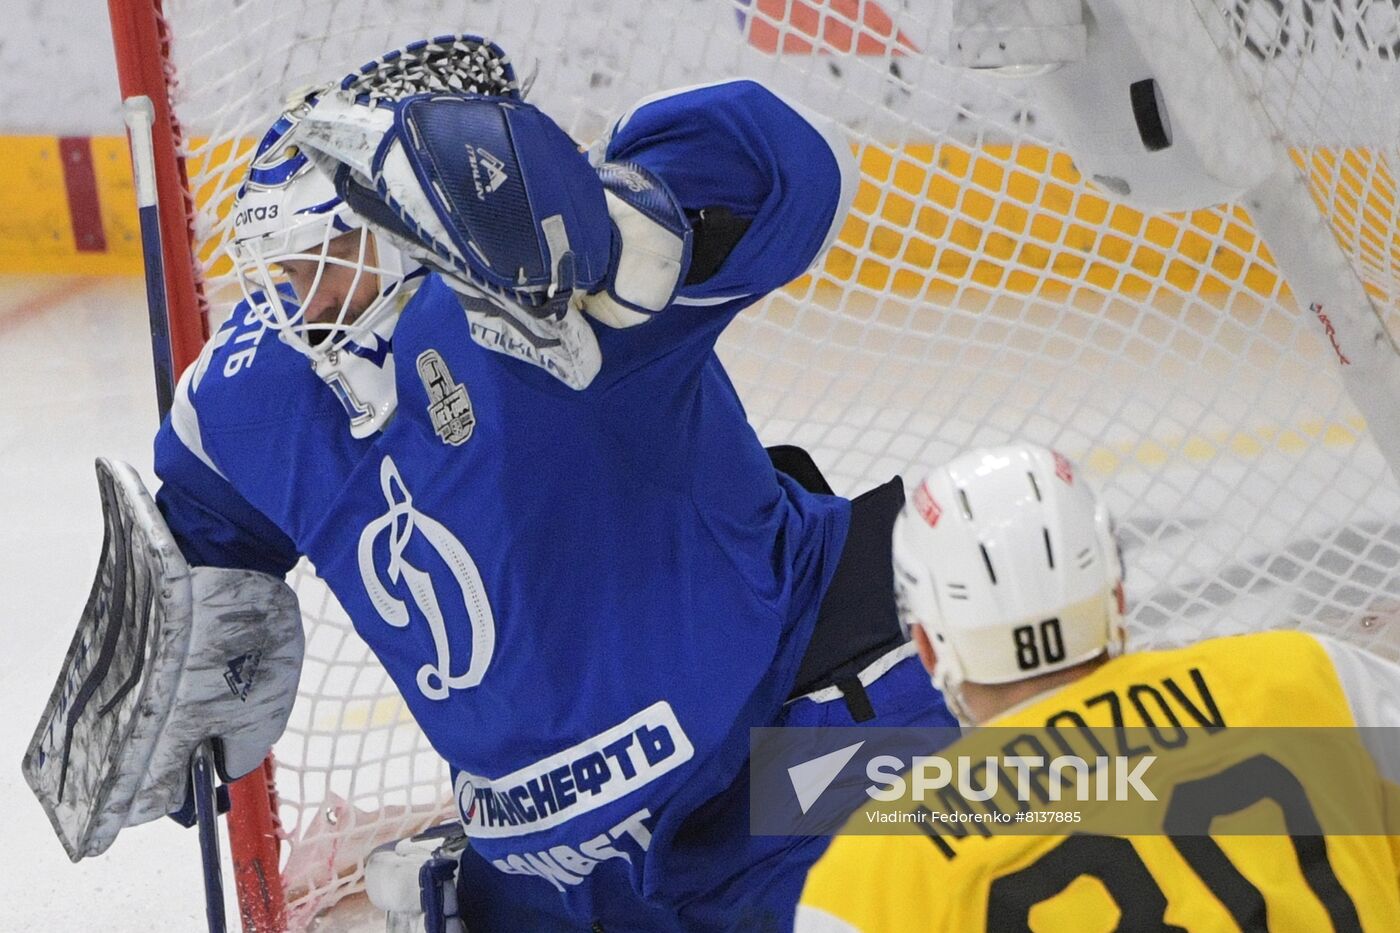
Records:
x=982, y=291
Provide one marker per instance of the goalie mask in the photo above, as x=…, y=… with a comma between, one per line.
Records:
x=312, y=270
x=1008, y=562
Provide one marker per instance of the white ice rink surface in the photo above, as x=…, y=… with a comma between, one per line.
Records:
x=75, y=384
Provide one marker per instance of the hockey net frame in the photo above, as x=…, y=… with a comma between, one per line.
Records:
x=975, y=247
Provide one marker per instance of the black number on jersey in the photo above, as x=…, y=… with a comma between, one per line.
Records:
x=1113, y=861
x=1033, y=651
x=1195, y=805
x=1192, y=809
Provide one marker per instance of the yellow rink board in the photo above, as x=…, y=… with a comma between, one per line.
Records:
x=36, y=233
x=929, y=220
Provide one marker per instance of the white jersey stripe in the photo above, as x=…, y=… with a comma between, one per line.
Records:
x=184, y=420
x=840, y=147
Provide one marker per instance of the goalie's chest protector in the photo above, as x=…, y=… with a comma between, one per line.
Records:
x=586, y=598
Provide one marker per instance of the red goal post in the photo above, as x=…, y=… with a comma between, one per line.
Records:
x=141, y=41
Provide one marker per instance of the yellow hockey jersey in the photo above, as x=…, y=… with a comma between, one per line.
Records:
x=1230, y=693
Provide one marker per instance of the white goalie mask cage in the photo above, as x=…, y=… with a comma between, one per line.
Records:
x=287, y=210
x=1007, y=560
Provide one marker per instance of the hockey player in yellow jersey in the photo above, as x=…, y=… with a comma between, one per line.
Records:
x=1010, y=583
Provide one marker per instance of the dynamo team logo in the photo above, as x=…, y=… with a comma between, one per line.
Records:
x=400, y=523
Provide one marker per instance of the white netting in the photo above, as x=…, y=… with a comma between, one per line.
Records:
x=981, y=292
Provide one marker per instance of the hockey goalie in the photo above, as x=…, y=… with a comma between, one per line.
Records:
x=473, y=380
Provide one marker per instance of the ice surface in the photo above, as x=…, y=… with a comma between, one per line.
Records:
x=75, y=383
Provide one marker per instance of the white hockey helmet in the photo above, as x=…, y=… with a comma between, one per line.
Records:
x=1007, y=560
x=288, y=210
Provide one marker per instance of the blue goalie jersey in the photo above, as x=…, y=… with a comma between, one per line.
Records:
x=586, y=598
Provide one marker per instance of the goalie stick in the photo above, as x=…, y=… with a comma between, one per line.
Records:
x=139, y=114
x=164, y=659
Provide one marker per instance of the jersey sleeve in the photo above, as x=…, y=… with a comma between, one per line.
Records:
x=1372, y=688
x=213, y=525
x=739, y=146
x=1371, y=683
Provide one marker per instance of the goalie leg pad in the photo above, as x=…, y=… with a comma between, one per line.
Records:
x=164, y=658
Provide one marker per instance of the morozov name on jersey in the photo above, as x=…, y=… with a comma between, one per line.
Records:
x=589, y=775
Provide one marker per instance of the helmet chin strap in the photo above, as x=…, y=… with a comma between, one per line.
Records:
x=953, y=698
x=947, y=678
